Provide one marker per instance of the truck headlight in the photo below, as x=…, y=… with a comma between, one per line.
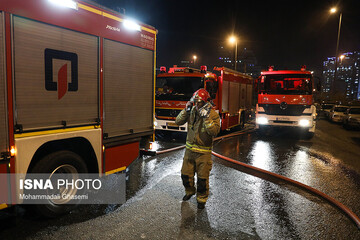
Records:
x=262, y=120
x=304, y=123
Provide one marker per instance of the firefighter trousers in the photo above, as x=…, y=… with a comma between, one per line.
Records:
x=201, y=164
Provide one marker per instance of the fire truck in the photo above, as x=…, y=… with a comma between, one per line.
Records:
x=231, y=92
x=285, y=100
x=76, y=90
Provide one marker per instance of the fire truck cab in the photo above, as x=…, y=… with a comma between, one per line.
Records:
x=231, y=93
x=285, y=99
x=174, y=88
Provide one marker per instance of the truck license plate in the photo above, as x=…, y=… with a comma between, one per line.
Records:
x=282, y=119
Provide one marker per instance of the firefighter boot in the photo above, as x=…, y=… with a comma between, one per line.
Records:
x=187, y=197
x=200, y=205
x=202, y=192
x=203, y=166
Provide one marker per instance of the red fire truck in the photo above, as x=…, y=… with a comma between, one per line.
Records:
x=76, y=90
x=285, y=99
x=231, y=92
x=234, y=97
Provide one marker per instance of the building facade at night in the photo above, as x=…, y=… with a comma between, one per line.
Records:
x=347, y=79
x=246, y=61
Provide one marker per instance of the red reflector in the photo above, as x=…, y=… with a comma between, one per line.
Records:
x=162, y=69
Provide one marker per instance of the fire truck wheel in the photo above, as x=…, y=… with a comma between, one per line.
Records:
x=242, y=121
x=65, y=162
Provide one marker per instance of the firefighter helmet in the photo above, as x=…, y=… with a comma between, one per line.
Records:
x=201, y=95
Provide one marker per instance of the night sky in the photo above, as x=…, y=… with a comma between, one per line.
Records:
x=286, y=34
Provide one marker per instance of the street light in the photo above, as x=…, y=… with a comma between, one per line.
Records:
x=233, y=40
x=334, y=10
x=194, y=57
x=342, y=57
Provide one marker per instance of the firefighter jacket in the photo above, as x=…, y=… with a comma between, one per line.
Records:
x=200, y=130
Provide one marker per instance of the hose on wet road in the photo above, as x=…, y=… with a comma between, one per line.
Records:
x=331, y=200
x=256, y=171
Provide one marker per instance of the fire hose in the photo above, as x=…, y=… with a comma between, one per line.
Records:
x=261, y=173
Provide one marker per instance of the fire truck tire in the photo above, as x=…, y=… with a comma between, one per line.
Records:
x=59, y=162
x=242, y=121
x=241, y=124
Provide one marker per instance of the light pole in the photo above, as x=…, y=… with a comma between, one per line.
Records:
x=334, y=10
x=234, y=40
x=194, y=57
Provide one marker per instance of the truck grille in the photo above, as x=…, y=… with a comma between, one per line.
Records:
x=290, y=110
x=167, y=112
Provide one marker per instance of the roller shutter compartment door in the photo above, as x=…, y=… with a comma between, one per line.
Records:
x=234, y=98
x=3, y=102
x=56, y=76
x=225, y=96
x=243, y=95
x=128, y=89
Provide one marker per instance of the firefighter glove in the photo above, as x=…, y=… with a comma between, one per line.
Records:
x=205, y=110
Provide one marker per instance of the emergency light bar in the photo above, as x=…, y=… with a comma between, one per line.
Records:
x=65, y=3
x=131, y=25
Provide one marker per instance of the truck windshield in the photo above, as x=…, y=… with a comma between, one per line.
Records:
x=290, y=84
x=177, y=88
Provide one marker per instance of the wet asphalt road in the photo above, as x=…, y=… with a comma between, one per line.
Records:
x=241, y=206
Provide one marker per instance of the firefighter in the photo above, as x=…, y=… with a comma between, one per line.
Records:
x=203, y=125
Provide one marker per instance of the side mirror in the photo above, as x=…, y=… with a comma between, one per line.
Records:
x=216, y=86
x=211, y=87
